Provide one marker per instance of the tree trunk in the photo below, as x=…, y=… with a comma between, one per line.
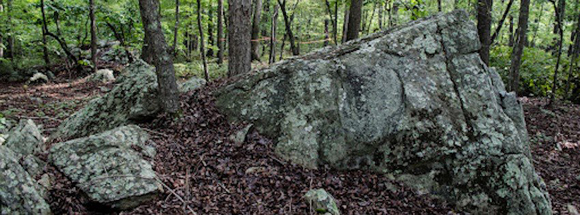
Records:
x=239, y=37
x=220, y=33
x=501, y=21
x=575, y=50
x=484, y=28
x=536, y=22
x=560, y=30
x=44, y=31
x=210, y=31
x=1, y=34
x=10, y=46
x=332, y=20
x=345, y=24
x=393, y=21
x=380, y=16
x=168, y=94
x=255, y=44
x=326, y=37
x=93, y=35
x=272, y=58
x=201, y=44
x=354, y=19
x=511, y=29
x=439, y=6
x=288, y=25
x=175, y=29
x=516, y=58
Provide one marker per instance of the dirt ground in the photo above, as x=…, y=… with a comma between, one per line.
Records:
x=204, y=172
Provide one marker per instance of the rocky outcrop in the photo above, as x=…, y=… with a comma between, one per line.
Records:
x=110, y=167
x=415, y=101
x=133, y=99
x=19, y=192
x=321, y=201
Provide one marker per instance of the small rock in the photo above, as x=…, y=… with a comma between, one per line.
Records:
x=578, y=177
x=240, y=136
x=191, y=84
x=255, y=169
x=572, y=209
x=103, y=75
x=108, y=167
x=321, y=201
x=38, y=78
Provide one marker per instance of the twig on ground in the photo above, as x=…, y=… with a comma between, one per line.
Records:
x=176, y=196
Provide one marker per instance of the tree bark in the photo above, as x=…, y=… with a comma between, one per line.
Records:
x=332, y=19
x=168, y=94
x=484, y=28
x=255, y=44
x=354, y=19
x=10, y=38
x=516, y=58
x=326, y=37
x=272, y=58
x=288, y=25
x=44, y=31
x=439, y=6
x=201, y=44
x=220, y=33
x=210, y=31
x=345, y=24
x=93, y=35
x=501, y=21
x=239, y=37
x=560, y=30
x=511, y=29
x=175, y=29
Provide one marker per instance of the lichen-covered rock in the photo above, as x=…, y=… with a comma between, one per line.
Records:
x=321, y=201
x=25, y=138
x=415, y=101
x=38, y=78
x=191, y=84
x=102, y=75
x=110, y=167
x=19, y=192
x=133, y=99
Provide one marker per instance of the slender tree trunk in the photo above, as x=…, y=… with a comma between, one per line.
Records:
x=380, y=15
x=537, y=21
x=575, y=51
x=175, y=29
x=288, y=25
x=272, y=58
x=10, y=46
x=282, y=47
x=210, y=31
x=516, y=58
x=220, y=33
x=93, y=35
x=345, y=24
x=255, y=44
x=326, y=37
x=44, y=31
x=1, y=34
x=151, y=19
x=354, y=19
x=439, y=6
x=500, y=24
x=484, y=28
x=332, y=20
x=239, y=34
x=560, y=30
x=370, y=21
x=201, y=44
x=511, y=29
x=393, y=21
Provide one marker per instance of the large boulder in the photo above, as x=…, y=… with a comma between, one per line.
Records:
x=25, y=138
x=110, y=167
x=415, y=101
x=133, y=99
x=19, y=192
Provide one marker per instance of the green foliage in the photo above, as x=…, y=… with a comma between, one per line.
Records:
x=195, y=68
x=537, y=70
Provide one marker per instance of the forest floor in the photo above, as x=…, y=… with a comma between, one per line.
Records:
x=205, y=172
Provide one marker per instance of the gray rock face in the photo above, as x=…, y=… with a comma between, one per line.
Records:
x=133, y=99
x=415, y=101
x=109, y=167
x=191, y=84
x=321, y=201
x=25, y=138
x=19, y=192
